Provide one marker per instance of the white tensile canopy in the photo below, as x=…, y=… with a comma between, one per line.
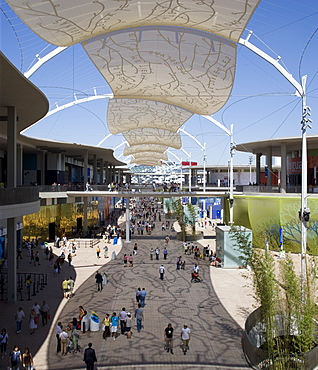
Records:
x=164, y=60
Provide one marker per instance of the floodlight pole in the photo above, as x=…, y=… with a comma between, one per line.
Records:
x=232, y=152
x=204, y=168
x=301, y=92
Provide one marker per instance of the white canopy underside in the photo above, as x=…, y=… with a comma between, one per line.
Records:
x=67, y=22
x=164, y=60
x=129, y=150
x=150, y=156
x=182, y=67
x=127, y=114
x=153, y=136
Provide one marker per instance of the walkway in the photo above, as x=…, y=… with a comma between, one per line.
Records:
x=216, y=336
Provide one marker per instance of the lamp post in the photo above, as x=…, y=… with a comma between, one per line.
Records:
x=301, y=92
x=250, y=161
x=204, y=168
x=232, y=152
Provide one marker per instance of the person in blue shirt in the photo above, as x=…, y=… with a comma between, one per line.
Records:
x=114, y=321
x=143, y=294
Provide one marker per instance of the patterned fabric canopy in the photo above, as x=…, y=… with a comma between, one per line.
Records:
x=164, y=60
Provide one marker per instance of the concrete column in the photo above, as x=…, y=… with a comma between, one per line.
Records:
x=127, y=220
x=283, y=173
x=12, y=259
x=12, y=148
x=19, y=164
x=107, y=173
x=270, y=166
x=95, y=169
x=114, y=173
x=85, y=166
x=42, y=154
x=258, y=168
x=101, y=171
x=85, y=221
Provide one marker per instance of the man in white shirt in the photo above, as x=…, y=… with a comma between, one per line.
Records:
x=185, y=337
x=36, y=307
x=63, y=338
x=196, y=269
x=122, y=319
x=58, y=331
x=19, y=316
x=161, y=272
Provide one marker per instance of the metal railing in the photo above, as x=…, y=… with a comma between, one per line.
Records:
x=37, y=282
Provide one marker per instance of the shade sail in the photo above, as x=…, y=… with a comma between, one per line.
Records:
x=144, y=148
x=68, y=22
x=182, y=67
x=150, y=156
x=147, y=163
x=127, y=114
x=153, y=136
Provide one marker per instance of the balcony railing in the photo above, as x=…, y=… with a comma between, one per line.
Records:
x=18, y=195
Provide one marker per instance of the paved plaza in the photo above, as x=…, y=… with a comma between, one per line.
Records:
x=214, y=310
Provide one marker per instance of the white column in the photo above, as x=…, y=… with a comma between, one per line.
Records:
x=269, y=166
x=127, y=219
x=283, y=175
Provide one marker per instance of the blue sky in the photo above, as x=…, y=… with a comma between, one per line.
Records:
x=262, y=104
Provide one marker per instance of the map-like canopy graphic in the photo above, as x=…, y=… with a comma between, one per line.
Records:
x=164, y=60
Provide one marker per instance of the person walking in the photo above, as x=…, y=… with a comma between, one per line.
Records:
x=15, y=358
x=99, y=281
x=89, y=357
x=122, y=319
x=45, y=313
x=185, y=337
x=162, y=272
x=106, y=332
x=157, y=251
x=151, y=254
x=143, y=294
x=138, y=295
x=165, y=253
x=3, y=342
x=71, y=284
x=58, y=331
x=33, y=321
x=19, y=316
x=114, y=320
x=128, y=325
x=65, y=288
x=63, y=337
x=168, y=336
x=131, y=261
x=139, y=315
x=179, y=260
x=27, y=359
x=125, y=258
x=98, y=251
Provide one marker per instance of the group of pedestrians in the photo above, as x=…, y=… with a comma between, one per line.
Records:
x=184, y=335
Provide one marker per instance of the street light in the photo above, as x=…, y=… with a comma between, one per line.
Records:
x=301, y=92
x=250, y=161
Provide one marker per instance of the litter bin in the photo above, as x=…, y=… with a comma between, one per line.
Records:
x=113, y=255
x=94, y=322
x=85, y=323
